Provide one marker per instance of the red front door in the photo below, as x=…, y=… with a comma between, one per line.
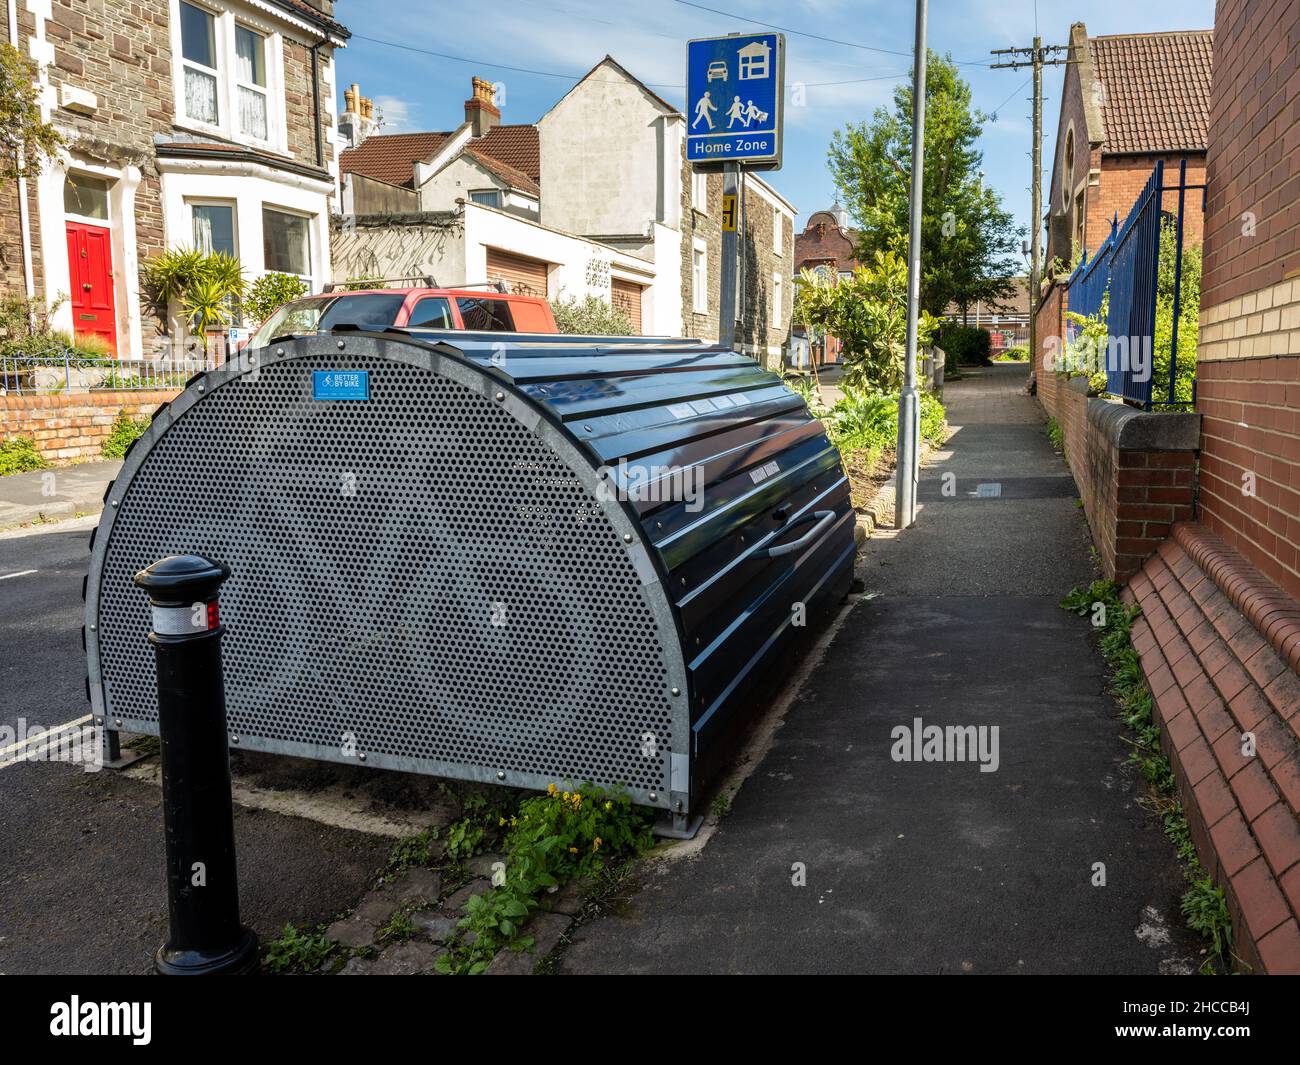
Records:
x=90, y=270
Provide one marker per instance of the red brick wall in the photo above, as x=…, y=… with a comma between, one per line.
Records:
x=1131, y=498
x=1248, y=369
x=1049, y=323
x=72, y=426
x=1122, y=180
x=1254, y=159
x=1250, y=418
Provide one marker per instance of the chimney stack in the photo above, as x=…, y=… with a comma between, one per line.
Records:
x=480, y=112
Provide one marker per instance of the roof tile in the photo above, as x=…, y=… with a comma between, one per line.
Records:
x=1156, y=90
x=391, y=157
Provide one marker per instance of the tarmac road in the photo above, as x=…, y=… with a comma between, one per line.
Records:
x=81, y=854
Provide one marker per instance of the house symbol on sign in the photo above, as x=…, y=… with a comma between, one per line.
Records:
x=755, y=61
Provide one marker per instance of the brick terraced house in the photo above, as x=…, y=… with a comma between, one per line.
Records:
x=1128, y=101
x=205, y=123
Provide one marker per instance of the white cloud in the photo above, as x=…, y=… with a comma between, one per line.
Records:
x=396, y=113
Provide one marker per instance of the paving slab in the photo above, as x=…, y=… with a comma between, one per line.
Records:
x=59, y=492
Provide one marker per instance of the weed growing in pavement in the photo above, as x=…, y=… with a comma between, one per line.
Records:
x=550, y=840
x=400, y=928
x=412, y=851
x=302, y=950
x=1203, y=904
x=466, y=838
x=1056, y=435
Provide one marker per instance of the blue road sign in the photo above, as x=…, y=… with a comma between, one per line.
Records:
x=340, y=384
x=735, y=87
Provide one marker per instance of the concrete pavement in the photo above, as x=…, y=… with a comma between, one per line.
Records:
x=59, y=492
x=935, y=866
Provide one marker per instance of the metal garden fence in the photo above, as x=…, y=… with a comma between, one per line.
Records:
x=1126, y=268
x=67, y=370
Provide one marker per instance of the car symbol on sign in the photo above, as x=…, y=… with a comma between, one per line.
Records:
x=718, y=70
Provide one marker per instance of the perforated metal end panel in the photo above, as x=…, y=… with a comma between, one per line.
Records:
x=426, y=578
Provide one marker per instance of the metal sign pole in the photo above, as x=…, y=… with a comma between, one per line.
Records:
x=729, y=282
x=909, y=400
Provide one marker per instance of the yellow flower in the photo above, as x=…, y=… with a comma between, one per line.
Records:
x=573, y=850
x=514, y=821
x=595, y=844
x=609, y=806
x=565, y=796
x=501, y=822
x=551, y=789
x=577, y=800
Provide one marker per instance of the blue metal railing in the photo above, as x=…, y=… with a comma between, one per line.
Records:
x=1126, y=267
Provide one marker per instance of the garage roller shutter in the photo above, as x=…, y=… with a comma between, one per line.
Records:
x=626, y=296
x=527, y=277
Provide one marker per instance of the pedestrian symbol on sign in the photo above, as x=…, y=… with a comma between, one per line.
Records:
x=703, y=110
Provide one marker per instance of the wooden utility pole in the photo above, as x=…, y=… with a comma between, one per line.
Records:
x=1036, y=56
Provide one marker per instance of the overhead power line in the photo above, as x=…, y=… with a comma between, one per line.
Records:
x=815, y=36
x=578, y=77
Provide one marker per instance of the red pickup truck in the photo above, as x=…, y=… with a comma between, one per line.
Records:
x=426, y=308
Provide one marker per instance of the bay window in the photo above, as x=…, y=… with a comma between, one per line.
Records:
x=214, y=227
x=286, y=243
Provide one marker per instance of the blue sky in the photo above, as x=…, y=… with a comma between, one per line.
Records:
x=567, y=37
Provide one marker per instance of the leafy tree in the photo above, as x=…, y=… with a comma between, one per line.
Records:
x=867, y=311
x=968, y=239
x=22, y=133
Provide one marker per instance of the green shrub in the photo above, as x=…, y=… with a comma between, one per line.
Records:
x=866, y=420
x=207, y=286
x=269, y=293
x=125, y=432
x=965, y=345
x=591, y=316
x=1017, y=354
x=18, y=454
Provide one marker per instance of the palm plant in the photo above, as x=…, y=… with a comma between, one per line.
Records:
x=206, y=286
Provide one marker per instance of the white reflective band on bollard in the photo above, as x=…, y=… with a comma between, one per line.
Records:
x=183, y=620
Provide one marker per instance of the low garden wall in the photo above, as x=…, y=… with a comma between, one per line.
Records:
x=72, y=426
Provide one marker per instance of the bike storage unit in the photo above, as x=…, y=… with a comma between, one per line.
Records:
x=484, y=557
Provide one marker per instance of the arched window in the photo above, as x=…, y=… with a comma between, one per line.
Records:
x=1067, y=174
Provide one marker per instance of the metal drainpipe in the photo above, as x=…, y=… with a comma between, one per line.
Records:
x=315, y=101
x=24, y=214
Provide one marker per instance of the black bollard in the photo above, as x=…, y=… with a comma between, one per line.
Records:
x=205, y=936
